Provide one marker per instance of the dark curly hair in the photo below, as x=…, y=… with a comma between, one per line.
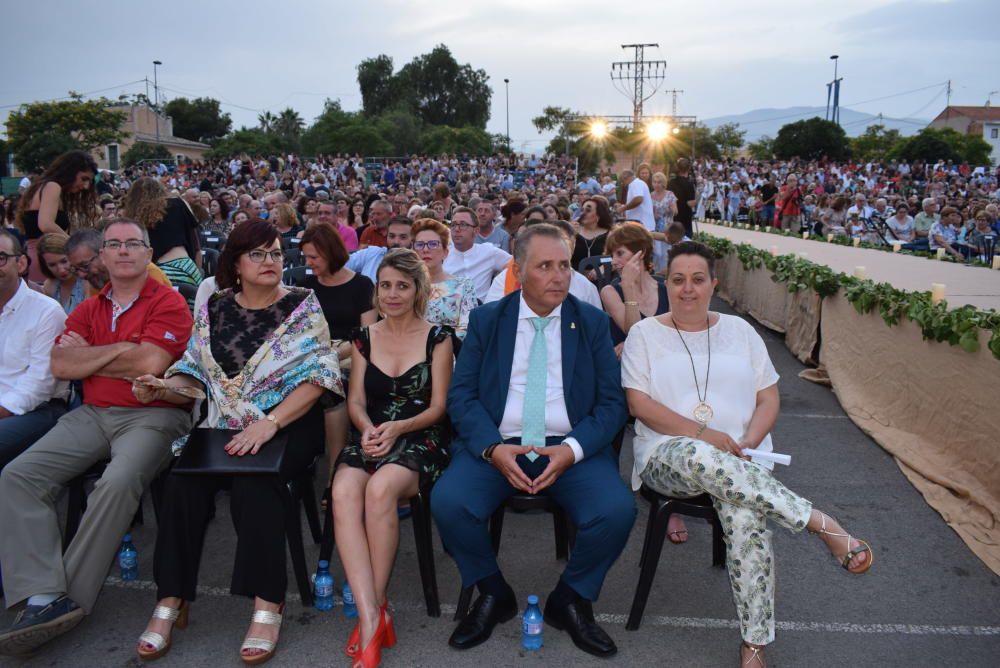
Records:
x=81, y=206
x=254, y=233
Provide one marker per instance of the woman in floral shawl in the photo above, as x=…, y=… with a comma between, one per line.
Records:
x=262, y=354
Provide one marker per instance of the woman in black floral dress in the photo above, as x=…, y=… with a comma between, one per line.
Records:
x=400, y=371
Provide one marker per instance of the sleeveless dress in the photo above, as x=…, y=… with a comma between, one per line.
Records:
x=32, y=233
x=400, y=398
x=662, y=306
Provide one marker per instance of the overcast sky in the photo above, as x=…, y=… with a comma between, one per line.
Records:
x=729, y=56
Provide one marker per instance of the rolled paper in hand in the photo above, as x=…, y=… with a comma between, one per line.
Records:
x=774, y=251
x=829, y=237
x=940, y=253
x=805, y=235
x=937, y=292
x=860, y=272
x=896, y=245
x=763, y=456
x=856, y=241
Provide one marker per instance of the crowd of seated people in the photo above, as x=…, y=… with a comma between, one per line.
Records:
x=467, y=327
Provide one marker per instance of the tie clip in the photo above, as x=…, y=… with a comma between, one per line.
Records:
x=572, y=325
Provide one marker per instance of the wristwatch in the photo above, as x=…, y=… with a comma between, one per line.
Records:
x=273, y=420
x=488, y=453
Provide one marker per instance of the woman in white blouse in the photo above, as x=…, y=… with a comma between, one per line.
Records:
x=702, y=389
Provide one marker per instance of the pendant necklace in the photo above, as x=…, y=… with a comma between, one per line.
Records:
x=703, y=411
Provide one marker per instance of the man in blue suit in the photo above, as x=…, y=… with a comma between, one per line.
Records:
x=536, y=401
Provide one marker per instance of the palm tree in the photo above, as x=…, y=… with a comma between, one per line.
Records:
x=266, y=121
x=289, y=123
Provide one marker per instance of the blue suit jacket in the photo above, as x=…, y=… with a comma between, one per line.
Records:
x=595, y=401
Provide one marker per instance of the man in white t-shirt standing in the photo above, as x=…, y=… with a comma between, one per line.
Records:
x=477, y=262
x=638, y=202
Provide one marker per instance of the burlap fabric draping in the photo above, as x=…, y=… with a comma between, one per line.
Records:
x=796, y=315
x=932, y=406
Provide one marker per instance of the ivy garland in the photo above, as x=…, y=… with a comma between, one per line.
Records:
x=841, y=240
x=958, y=327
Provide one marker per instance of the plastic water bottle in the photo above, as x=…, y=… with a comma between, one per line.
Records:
x=531, y=626
x=324, y=587
x=128, y=559
x=350, y=609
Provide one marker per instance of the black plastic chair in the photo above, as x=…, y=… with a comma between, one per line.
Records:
x=295, y=275
x=76, y=499
x=209, y=261
x=660, y=509
x=423, y=523
x=600, y=265
x=293, y=258
x=213, y=241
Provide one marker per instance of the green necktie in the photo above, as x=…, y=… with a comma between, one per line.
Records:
x=533, y=415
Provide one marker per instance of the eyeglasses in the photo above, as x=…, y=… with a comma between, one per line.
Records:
x=6, y=256
x=433, y=244
x=129, y=244
x=83, y=267
x=258, y=256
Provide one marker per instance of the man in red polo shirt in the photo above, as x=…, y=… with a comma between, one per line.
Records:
x=134, y=326
x=376, y=234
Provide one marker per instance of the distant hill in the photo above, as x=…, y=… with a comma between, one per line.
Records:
x=760, y=122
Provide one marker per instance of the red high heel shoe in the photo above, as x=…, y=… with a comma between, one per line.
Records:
x=371, y=656
x=354, y=640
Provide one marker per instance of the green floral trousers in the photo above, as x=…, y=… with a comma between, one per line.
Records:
x=745, y=496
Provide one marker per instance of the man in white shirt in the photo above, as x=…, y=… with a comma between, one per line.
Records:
x=31, y=399
x=579, y=286
x=861, y=208
x=638, y=204
x=477, y=262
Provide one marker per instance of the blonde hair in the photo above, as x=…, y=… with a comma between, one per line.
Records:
x=660, y=176
x=145, y=202
x=407, y=262
x=286, y=214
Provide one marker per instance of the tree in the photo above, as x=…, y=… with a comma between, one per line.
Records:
x=812, y=139
x=288, y=127
x=729, y=138
x=265, y=121
x=875, y=143
x=762, y=149
x=252, y=141
x=38, y=132
x=402, y=129
x=933, y=144
x=141, y=150
x=434, y=86
x=338, y=131
x=375, y=80
x=199, y=119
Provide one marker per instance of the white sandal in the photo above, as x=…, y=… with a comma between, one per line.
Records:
x=266, y=646
x=179, y=620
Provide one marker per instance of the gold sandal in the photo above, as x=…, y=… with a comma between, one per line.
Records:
x=756, y=655
x=845, y=561
x=161, y=645
x=268, y=647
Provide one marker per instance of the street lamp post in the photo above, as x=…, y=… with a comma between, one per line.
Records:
x=506, y=86
x=156, y=93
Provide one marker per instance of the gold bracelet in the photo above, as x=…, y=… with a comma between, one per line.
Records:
x=273, y=420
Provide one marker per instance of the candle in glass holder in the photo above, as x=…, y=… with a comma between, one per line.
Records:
x=896, y=245
x=756, y=228
x=774, y=251
x=937, y=292
x=829, y=237
x=805, y=235
x=860, y=273
x=996, y=261
x=940, y=253
x=856, y=241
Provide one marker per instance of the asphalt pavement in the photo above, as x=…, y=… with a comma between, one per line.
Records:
x=927, y=600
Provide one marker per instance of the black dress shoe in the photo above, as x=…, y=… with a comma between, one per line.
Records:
x=577, y=618
x=486, y=613
x=38, y=624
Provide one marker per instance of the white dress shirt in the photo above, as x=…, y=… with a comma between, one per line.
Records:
x=579, y=286
x=556, y=417
x=644, y=212
x=479, y=264
x=29, y=325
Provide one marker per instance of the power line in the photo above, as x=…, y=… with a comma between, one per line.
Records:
x=70, y=97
